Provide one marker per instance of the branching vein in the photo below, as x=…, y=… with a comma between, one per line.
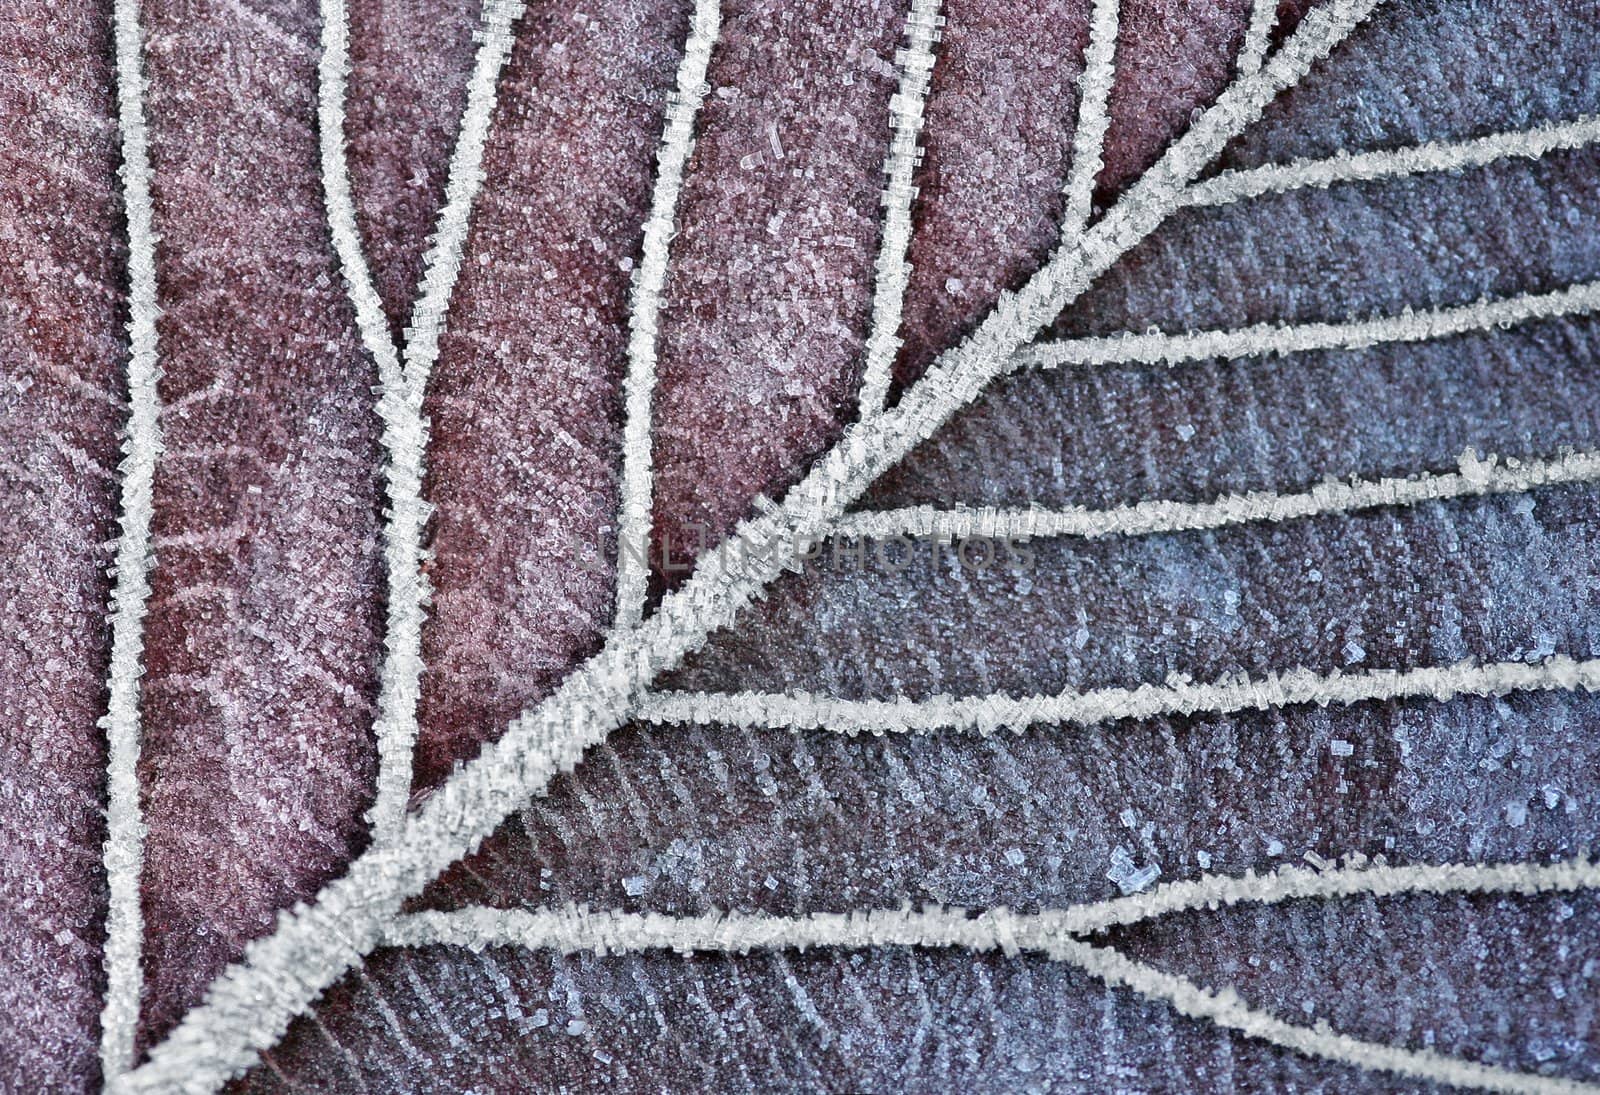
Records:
x=125, y=830
x=1225, y=1009
x=1294, y=338
x=1433, y=157
x=251, y=1004
x=1054, y=932
x=403, y=386
x=1475, y=477
x=576, y=928
x=1359, y=878
x=893, y=272
x=988, y=713
x=677, y=142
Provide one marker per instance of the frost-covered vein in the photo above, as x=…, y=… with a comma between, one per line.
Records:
x=250, y=1005
x=677, y=142
x=1435, y=156
x=402, y=386
x=1094, y=117
x=1475, y=477
x=125, y=830
x=332, y=72
x=893, y=272
x=441, y=266
x=1053, y=932
x=806, y=711
x=576, y=928
x=1293, y=338
x=404, y=439
x=1359, y=878
x=1225, y=1009
x=1257, y=36
x=442, y=263
x=962, y=373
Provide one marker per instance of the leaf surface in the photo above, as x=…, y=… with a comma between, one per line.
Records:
x=61, y=302
x=680, y=819
x=525, y=399
x=307, y=419
x=262, y=638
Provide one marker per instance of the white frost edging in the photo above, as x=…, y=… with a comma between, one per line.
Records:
x=251, y=1004
x=1475, y=477
x=125, y=829
x=893, y=272
x=1432, y=157
x=573, y=929
x=677, y=142
x=986, y=714
x=1295, y=338
x=1258, y=36
x=1094, y=116
x=442, y=263
x=1224, y=1008
x=404, y=438
x=402, y=388
x=1358, y=879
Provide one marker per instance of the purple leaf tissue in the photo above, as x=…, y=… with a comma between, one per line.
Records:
x=800, y=545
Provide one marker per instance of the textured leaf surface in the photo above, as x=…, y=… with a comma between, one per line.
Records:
x=265, y=635
x=768, y=294
x=1000, y=128
x=525, y=402
x=1328, y=593
x=262, y=638
x=921, y=1021
x=61, y=287
x=408, y=86
x=682, y=820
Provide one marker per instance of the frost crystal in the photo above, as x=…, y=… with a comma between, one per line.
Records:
x=1130, y=879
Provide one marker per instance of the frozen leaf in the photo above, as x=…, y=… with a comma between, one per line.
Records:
x=1160, y=438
